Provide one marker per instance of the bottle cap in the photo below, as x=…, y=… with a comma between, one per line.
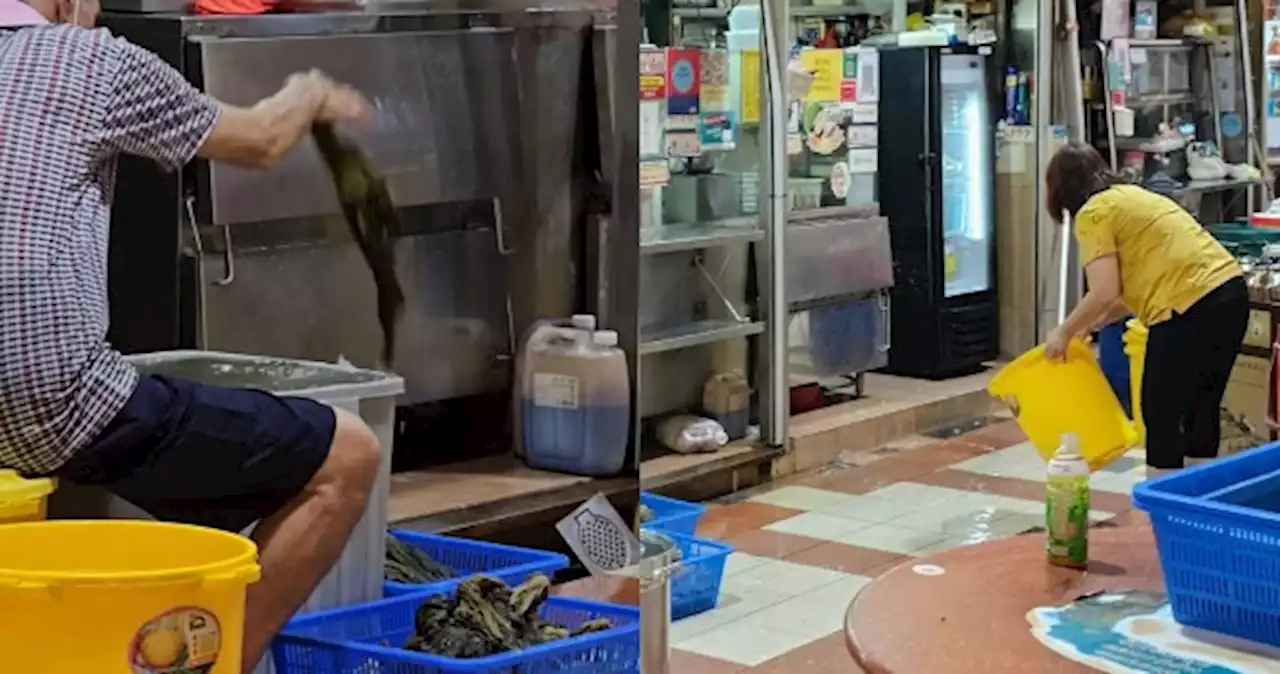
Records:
x=583, y=321
x=606, y=338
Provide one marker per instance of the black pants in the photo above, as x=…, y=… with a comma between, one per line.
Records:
x=1189, y=359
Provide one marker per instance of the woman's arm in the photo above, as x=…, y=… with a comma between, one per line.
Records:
x=1103, y=274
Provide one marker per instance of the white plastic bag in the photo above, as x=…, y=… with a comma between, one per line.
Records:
x=688, y=434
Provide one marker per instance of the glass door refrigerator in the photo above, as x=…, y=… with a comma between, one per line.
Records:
x=937, y=172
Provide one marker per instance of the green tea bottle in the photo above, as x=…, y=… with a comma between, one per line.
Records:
x=1066, y=506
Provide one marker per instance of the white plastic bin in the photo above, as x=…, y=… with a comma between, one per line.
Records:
x=371, y=394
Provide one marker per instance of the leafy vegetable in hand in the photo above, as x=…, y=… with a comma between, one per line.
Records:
x=372, y=218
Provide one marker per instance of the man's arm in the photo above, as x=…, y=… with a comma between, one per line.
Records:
x=152, y=111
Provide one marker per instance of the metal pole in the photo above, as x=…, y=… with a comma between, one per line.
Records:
x=777, y=399
x=1250, y=112
x=1044, y=87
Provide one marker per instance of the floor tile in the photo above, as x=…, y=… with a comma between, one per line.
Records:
x=828, y=655
x=781, y=577
x=890, y=502
x=745, y=642
x=846, y=558
x=995, y=436
x=1031, y=490
x=740, y=518
x=742, y=561
x=732, y=605
x=818, y=525
x=800, y=497
x=773, y=544
x=684, y=662
x=889, y=538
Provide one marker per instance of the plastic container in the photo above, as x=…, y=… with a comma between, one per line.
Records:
x=1135, y=347
x=350, y=641
x=466, y=557
x=122, y=596
x=806, y=193
x=695, y=584
x=1050, y=399
x=726, y=398
x=576, y=409
x=23, y=500
x=1067, y=506
x=1216, y=528
x=371, y=394
x=1115, y=363
x=672, y=516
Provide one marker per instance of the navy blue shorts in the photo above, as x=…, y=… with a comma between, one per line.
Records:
x=196, y=454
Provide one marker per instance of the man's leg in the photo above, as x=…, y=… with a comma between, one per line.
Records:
x=302, y=541
x=227, y=458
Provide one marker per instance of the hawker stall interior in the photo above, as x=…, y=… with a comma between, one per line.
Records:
x=640, y=337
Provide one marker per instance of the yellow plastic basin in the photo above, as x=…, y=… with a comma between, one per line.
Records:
x=122, y=597
x=1050, y=399
x=23, y=500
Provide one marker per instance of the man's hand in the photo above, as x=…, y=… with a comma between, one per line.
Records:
x=339, y=102
x=260, y=136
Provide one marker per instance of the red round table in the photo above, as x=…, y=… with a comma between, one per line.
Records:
x=964, y=610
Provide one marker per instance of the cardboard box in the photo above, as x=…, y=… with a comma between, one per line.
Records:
x=1244, y=406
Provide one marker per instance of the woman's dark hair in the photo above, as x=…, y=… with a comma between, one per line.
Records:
x=1075, y=173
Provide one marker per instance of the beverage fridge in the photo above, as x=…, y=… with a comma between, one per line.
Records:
x=937, y=175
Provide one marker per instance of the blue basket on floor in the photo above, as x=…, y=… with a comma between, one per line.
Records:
x=354, y=640
x=672, y=516
x=1217, y=529
x=466, y=557
x=695, y=586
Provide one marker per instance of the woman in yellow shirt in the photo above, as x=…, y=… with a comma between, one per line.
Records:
x=1144, y=254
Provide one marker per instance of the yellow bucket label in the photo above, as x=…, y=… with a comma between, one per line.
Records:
x=182, y=641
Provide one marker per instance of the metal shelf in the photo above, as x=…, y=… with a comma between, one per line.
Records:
x=695, y=334
x=1203, y=186
x=1154, y=100
x=676, y=238
x=700, y=12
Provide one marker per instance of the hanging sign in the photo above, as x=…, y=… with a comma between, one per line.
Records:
x=684, y=81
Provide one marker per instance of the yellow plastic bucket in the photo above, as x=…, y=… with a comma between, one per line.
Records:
x=1050, y=399
x=122, y=597
x=23, y=500
x=1135, y=348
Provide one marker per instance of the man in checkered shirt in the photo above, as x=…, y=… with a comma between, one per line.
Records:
x=72, y=99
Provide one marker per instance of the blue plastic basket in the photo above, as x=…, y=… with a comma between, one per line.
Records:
x=695, y=587
x=466, y=557
x=1217, y=529
x=672, y=516
x=354, y=640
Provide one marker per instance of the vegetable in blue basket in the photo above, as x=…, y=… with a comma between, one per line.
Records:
x=407, y=564
x=486, y=617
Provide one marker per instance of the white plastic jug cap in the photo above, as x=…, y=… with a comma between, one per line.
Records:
x=606, y=338
x=583, y=321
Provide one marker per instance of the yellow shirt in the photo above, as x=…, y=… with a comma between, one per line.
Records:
x=1167, y=260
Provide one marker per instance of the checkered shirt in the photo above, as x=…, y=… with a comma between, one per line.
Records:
x=71, y=100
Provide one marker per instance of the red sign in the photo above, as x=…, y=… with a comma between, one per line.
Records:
x=848, y=91
x=684, y=81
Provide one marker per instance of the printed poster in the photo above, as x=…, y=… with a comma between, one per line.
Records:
x=1133, y=632
x=751, y=77
x=684, y=81
x=716, y=124
x=827, y=66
